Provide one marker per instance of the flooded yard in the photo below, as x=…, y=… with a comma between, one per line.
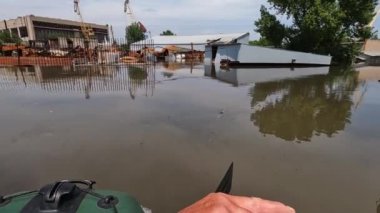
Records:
x=166, y=134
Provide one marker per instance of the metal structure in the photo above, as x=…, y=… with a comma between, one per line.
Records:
x=131, y=19
x=112, y=35
x=128, y=10
x=87, y=31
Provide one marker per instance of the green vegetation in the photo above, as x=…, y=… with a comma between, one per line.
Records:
x=335, y=27
x=134, y=33
x=271, y=30
x=261, y=42
x=6, y=37
x=167, y=33
x=138, y=74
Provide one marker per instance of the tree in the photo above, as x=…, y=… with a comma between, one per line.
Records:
x=7, y=37
x=375, y=36
x=271, y=30
x=134, y=33
x=261, y=42
x=167, y=33
x=332, y=27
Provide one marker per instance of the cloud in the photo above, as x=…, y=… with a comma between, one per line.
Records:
x=184, y=17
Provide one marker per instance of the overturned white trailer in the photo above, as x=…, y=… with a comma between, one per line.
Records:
x=242, y=54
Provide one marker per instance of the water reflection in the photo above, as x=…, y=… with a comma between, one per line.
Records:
x=291, y=104
x=298, y=109
x=192, y=120
x=175, y=69
x=240, y=77
x=295, y=104
x=83, y=79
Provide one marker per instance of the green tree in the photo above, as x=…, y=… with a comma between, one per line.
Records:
x=134, y=33
x=167, y=33
x=332, y=27
x=261, y=42
x=7, y=37
x=271, y=30
x=375, y=36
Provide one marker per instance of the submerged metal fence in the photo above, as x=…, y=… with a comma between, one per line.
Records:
x=77, y=51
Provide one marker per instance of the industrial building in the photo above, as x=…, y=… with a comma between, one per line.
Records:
x=34, y=29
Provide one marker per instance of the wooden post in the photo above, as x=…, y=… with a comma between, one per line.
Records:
x=18, y=55
x=192, y=51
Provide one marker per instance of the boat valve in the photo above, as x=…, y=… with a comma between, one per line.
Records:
x=108, y=202
x=109, y=199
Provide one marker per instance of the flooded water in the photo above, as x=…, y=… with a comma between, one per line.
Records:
x=308, y=137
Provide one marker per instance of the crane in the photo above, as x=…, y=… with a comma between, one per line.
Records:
x=129, y=12
x=86, y=29
x=112, y=36
x=131, y=16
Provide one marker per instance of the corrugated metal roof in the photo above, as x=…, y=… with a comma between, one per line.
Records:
x=195, y=39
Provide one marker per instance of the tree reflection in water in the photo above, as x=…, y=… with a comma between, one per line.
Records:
x=298, y=109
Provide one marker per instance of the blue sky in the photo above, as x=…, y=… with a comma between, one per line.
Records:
x=184, y=17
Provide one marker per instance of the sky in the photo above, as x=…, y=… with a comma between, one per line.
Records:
x=183, y=17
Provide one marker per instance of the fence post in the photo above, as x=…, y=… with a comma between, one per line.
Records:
x=18, y=55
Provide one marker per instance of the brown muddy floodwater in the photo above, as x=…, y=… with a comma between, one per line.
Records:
x=309, y=137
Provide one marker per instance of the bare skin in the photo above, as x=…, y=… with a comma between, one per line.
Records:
x=223, y=203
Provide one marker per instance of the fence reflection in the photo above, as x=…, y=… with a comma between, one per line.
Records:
x=133, y=79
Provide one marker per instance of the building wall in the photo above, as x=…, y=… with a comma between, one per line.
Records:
x=372, y=46
x=16, y=26
x=244, y=39
x=374, y=60
x=227, y=52
x=208, y=55
x=32, y=28
x=255, y=55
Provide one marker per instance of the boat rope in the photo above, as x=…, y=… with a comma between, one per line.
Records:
x=9, y=197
